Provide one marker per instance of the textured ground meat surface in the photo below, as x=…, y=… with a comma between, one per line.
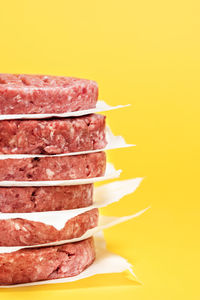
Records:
x=53, y=168
x=36, y=199
x=32, y=94
x=52, y=136
x=20, y=232
x=29, y=265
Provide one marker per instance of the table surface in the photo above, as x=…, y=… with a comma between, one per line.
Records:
x=145, y=53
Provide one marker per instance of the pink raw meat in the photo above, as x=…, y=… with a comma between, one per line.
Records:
x=21, y=232
x=35, y=94
x=36, y=199
x=29, y=265
x=52, y=136
x=53, y=168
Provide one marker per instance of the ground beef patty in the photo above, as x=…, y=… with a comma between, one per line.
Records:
x=29, y=265
x=20, y=232
x=36, y=199
x=52, y=136
x=33, y=94
x=53, y=168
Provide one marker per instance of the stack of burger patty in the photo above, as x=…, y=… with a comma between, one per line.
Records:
x=36, y=94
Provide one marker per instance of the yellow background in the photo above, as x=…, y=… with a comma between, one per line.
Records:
x=146, y=53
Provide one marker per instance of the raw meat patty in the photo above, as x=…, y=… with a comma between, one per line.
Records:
x=52, y=136
x=29, y=265
x=53, y=168
x=21, y=232
x=36, y=199
x=34, y=94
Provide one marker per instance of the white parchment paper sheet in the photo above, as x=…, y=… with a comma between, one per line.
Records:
x=100, y=107
x=105, y=262
x=110, y=173
x=114, y=142
x=104, y=223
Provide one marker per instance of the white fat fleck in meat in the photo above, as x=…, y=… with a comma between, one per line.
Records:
x=49, y=173
x=78, y=139
x=17, y=227
x=41, y=258
x=46, y=141
x=51, y=134
x=14, y=150
x=89, y=193
x=20, y=140
x=39, y=270
x=18, y=98
x=24, y=229
x=12, y=140
x=41, y=125
x=72, y=130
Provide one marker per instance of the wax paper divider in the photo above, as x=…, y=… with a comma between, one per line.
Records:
x=114, y=142
x=104, y=223
x=105, y=263
x=110, y=173
x=103, y=196
x=100, y=107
